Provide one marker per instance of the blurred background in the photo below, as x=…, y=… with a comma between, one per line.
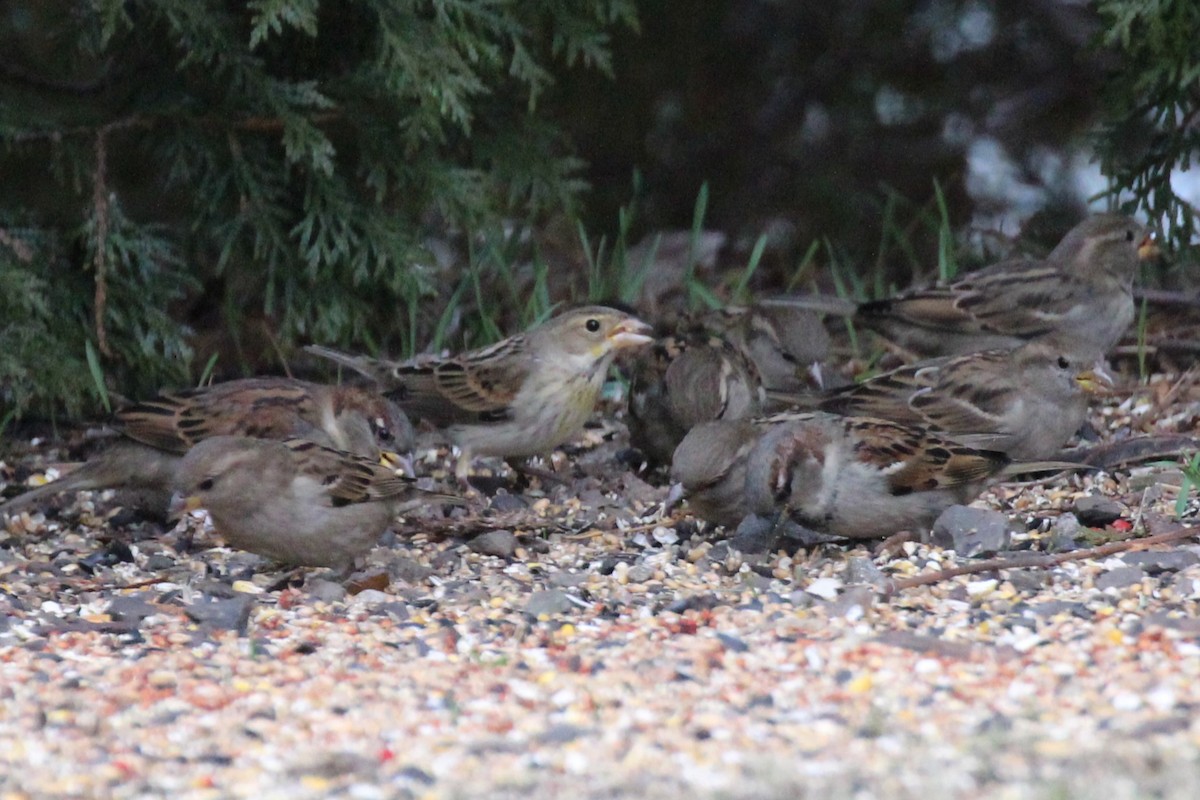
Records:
x=195, y=189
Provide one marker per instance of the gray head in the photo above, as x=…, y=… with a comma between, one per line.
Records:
x=1108, y=243
x=218, y=471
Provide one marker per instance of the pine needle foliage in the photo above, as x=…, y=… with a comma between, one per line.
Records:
x=296, y=154
x=1152, y=127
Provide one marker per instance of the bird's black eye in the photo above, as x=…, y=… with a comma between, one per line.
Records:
x=592, y=325
x=1129, y=236
x=206, y=484
x=1063, y=363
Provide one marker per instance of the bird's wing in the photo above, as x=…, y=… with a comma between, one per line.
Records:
x=914, y=460
x=264, y=408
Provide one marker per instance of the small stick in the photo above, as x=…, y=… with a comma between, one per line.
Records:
x=1041, y=561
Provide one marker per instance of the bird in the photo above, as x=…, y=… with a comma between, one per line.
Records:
x=682, y=380
x=854, y=477
x=293, y=501
x=519, y=397
x=1028, y=401
x=786, y=345
x=1081, y=293
x=157, y=432
x=709, y=469
x=862, y=477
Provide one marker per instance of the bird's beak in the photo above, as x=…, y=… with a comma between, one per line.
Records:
x=1148, y=249
x=181, y=505
x=1095, y=380
x=674, y=498
x=397, y=463
x=630, y=333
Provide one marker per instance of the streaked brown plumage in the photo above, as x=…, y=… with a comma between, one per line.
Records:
x=1025, y=402
x=855, y=477
x=293, y=501
x=1081, y=293
x=160, y=430
x=681, y=381
x=522, y=396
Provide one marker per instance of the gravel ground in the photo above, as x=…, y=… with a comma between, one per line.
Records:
x=572, y=643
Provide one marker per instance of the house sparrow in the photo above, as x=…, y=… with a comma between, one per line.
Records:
x=855, y=477
x=159, y=431
x=709, y=469
x=522, y=396
x=681, y=381
x=787, y=345
x=293, y=501
x=1028, y=401
x=860, y=477
x=1081, y=292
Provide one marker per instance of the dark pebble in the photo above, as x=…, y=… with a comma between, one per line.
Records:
x=733, y=643
x=1096, y=512
x=508, y=502
x=500, y=543
x=231, y=615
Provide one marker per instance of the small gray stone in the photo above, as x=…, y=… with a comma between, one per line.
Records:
x=508, y=502
x=732, y=643
x=853, y=600
x=159, y=562
x=232, y=614
x=499, y=543
x=1096, y=511
x=1028, y=580
x=548, y=602
x=326, y=591
x=1156, y=562
x=409, y=571
x=565, y=580
x=971, y=532
x=1062, y=536
x=372, y=597
x=640, y=573
x=562, y=734
x=130, y=609
x=1120, y=577
x=1052, y=608
x=861, y=570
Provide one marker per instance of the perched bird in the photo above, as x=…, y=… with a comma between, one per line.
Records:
x=522, y=396
x=1026, y=402
x=681, y=381
x=855, y=477
x=293, y=501
x=159, y=431
x=1082, y=292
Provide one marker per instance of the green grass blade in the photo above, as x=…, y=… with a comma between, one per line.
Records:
x=97, y=375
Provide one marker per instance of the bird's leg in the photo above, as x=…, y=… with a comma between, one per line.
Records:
x=525, y=468
x=776, y=520
x=893, y=543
